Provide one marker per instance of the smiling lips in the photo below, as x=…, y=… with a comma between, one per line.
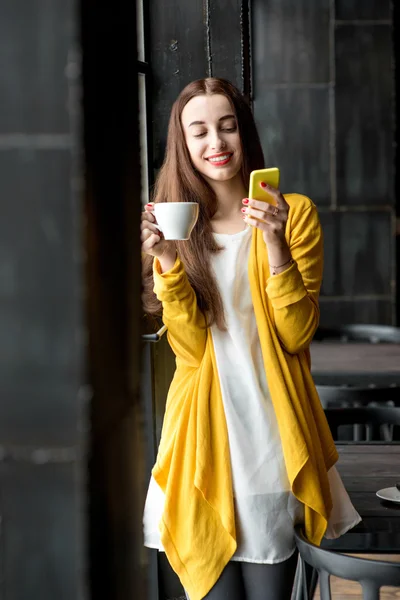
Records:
x=219, y=160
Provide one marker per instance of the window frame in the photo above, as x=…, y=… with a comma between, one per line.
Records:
x=144, y=70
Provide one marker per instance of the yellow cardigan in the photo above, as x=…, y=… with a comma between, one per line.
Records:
x=193, y=463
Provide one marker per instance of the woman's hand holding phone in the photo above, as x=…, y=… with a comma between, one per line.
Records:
x=270, y=215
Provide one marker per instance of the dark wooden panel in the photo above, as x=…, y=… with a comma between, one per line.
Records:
x=39, y=408
x=369, y=505
x=357, y=359
x=40, y=318
x=41, y=547
x=364, y=450
x=368, y=539
x=112, y=207
x=370, y=465
x=36, y=197
x=33, y=60
x=178, y=56
x=330, y=223
x=290, y=42
x=355, y=311
x=358, y=251
x=290, y=123
x=367, y=9
x=225, y=40
x=370, y=468
x=364, y=114
x=364, y=485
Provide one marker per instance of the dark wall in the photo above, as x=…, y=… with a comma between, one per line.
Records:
x=321, y=81
x=72, y=464
x=41, y=342
x=192, y=40
x=324, y=101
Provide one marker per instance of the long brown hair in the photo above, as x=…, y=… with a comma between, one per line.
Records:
x=178, y=181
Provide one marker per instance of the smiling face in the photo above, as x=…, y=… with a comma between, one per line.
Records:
x=212, y=137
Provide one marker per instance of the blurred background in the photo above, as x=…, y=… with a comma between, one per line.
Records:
x=85, y=94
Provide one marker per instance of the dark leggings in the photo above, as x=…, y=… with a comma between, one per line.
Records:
x=250, y=581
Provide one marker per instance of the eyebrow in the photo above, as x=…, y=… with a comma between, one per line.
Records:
x=224, y=118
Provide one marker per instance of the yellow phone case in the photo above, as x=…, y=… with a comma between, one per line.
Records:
x=270, y=176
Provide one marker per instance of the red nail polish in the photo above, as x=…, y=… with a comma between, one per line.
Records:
x=245, y=201
x=243, y=210
x=264, y=185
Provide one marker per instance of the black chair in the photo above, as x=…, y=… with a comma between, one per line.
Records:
x=374, y=334
x=371, y=574
x=345, y=396
x=375, y=418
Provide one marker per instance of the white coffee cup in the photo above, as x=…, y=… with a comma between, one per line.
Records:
x=176, y=219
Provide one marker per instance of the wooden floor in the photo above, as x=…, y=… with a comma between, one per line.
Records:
x=349, y=590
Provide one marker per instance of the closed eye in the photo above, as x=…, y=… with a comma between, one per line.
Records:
x=226, y=129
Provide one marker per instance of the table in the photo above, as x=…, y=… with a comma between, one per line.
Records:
x=366, y=468
x=352, y=363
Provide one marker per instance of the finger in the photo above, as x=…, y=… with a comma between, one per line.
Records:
x=264, y=205
x=148, y=225
x=256, y=223
x=149, y=206
x=150, y=242
x=269, y=224
x=148, y=216
x=254, y=213
x=276, y=194
x=146, y=233
x=264, y=210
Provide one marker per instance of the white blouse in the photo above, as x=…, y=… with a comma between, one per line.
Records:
x=266, y=510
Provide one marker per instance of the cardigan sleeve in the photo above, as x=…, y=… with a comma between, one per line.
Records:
x=187, y=328
x=294, y=292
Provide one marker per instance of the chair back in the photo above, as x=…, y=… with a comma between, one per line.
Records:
x=343, y=395
x=371, y=574
x=375, y=418
x=374, y=334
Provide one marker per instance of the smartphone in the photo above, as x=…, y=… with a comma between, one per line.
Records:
x=270, y=176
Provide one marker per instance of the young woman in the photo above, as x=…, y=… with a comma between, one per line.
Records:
x=245, y=451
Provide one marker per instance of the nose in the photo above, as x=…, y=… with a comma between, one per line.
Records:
x=216, y=142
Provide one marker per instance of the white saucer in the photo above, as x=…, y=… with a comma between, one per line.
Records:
x=391, y=493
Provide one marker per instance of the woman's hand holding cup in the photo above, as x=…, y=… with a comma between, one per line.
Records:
x=153, y=241
x=164, y=222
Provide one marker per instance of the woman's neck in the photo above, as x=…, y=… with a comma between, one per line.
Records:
x=229, y=202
